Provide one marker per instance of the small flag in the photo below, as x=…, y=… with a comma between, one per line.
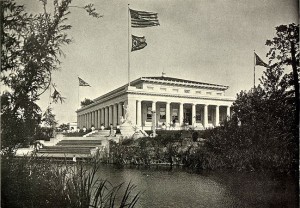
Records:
x=138, y=43
x=259, y=61
x=143, y=19
x=57, y=96
x=83, y=83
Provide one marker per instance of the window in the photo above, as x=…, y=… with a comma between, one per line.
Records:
x=162, y=113
x=198, y=92
x=149, y=112
x=209, y=118
x=198, y=116
x=208, y=93
x=150, y=88
x=174, y=114
x=175, y=90
x=219, y=93
x=163, y=89
x=187, y=91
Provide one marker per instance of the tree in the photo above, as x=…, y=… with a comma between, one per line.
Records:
x=86, y=102
x=284, y=52
x=262, y=133
x=31, y=51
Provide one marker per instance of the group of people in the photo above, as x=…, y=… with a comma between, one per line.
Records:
x=112, y=132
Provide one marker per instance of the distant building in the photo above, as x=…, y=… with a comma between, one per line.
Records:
x=160, y=100
x=72, y=126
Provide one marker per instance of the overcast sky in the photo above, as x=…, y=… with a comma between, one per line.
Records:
x=202, y=40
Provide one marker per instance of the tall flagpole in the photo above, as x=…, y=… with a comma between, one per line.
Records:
x=78, y=93
x=128, y=47
x=254, y=67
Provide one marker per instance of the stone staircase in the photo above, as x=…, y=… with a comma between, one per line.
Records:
x=68, y=148
x=100, y=133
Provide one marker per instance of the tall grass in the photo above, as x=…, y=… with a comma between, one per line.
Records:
x=39, y=182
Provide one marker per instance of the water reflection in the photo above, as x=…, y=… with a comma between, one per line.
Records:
x=177, y=188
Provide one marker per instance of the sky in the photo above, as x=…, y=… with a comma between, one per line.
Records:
x=201, y=40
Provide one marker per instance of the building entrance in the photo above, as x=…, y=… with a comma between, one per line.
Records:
x=188, y=116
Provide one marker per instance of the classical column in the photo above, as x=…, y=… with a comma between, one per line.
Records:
x=217, y=118
x=102, y=117
x=88, y=120
x=106, y=117
x=99, y=119
x=193, y=114
x=120, y=107
x=96, y=119
x=153, y=114
x=180, y=114
x=110, y=116
x=228, y=112
x=83, y=120
x=115, y=115
x=93, y=118
x=205, y=119
x=138, y=113
x=168, y=118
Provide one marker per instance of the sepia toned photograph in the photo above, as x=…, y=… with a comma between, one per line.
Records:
x=149, y=104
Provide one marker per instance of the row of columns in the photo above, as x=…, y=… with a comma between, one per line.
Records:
x=112, y=115
x=106, y=115
x=181, y=117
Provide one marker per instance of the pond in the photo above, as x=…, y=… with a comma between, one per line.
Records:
x=176, y=188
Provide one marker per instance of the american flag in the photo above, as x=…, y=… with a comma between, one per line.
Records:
x=143, y=19
x=83, y=83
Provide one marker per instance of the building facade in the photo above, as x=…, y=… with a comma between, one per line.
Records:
x=175, y=103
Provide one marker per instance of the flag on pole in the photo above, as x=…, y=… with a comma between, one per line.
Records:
x=259, y=61
x=138, y=43
x=57, y=96
x=83, y=83
x=143, y=19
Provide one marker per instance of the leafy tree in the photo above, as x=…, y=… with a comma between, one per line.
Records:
x=64, y=126
x=31, y=51
x=262, y=133
x=86, y=102
x=284, y=53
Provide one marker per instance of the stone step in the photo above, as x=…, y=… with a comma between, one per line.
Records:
x=100, y=133
x=81, y=151
x=61, y=156
x=79, y=142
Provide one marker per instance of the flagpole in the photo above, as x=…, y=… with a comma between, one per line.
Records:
x=128, y=47
x=254, y=67
x=78, y=101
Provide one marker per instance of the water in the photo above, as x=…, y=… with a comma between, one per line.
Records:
x=177, y=188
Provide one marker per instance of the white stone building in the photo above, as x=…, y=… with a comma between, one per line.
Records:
x=177, y=103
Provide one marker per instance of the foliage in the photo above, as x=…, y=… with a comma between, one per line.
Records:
x=49, y=118
x=44, y=133
x=64, y=126
x=280, y=46
x=38, y=182
x=31, y=51
x=261, y=133
x=86, y=102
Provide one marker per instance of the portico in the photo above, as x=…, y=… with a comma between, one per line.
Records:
x=174, y=102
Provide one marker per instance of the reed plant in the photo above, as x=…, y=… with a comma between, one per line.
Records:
x=40, y=182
